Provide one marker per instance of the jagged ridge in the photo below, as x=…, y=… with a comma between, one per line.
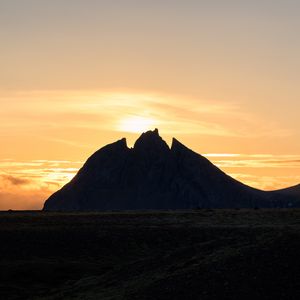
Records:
x=153, y=176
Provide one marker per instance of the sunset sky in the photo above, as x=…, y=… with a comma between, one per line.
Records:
x=223, y=77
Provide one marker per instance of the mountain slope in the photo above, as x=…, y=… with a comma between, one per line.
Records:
x=292, y=193
x=293, y=190
x=153, y=176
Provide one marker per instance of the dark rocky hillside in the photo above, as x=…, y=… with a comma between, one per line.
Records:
x=153, y=176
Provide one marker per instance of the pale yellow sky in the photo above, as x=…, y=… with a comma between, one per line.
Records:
x=221, y=76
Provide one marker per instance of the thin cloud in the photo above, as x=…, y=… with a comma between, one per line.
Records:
x=250, y=163
x=104, y=110
x=14, y=180
x=268, y=183
x=65, y=142
x=26, y=185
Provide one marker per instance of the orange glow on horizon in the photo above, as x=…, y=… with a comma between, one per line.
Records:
x=49, y=134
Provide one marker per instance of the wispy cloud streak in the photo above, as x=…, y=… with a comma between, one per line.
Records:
x=255, y=160
x=105, y=110
x=27, y=184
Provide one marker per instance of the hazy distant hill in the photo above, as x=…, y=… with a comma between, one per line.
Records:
x=153, y=176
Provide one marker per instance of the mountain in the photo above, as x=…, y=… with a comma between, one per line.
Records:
x=153, y=176
x=292, y=193
x=293, y=190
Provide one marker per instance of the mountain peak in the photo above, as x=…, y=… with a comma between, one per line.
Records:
x=150, y=140
x=120, y=144
x=150, y=133
x=177, y=145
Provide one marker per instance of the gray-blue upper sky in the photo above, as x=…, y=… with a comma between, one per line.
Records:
x=245, y=52
x=114, y=39
x=242, y=51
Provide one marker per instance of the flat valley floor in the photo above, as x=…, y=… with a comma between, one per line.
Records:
x=155, y=255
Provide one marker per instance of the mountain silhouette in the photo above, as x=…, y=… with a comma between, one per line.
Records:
x=293, y=190
x=153, y=176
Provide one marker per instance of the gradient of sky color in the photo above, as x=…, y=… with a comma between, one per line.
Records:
x=221, y=76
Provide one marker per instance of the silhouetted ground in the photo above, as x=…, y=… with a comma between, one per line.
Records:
x=203, y=254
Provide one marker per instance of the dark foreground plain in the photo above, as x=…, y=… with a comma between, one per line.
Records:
x=201, y=254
